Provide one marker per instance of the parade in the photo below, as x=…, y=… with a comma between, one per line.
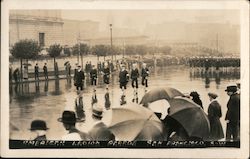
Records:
x=91, y=77
x=92, y=80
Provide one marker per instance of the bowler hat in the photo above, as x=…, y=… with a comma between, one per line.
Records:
x=213, y=95
x=68, y=117
x=231, y=89
x=194, y=94
x=97, y=111
x=38, y=125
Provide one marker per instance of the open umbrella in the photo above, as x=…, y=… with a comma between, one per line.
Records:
x=27, y=64
x=160, y=93
x=160, y=106
x=66, y=63
x=190, y=116
x=135, y=122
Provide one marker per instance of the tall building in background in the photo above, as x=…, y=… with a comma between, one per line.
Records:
x=46, y=27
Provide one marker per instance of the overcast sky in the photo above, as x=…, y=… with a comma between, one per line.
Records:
x=139, y=18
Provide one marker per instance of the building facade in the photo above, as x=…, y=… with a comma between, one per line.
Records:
x=46, y=27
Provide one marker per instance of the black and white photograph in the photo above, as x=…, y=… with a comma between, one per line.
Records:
x=117, y=77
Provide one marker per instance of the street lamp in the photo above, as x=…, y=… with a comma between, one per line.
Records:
x=110, y=25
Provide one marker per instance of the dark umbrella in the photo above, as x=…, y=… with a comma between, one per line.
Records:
x=160, y=93
x=135, y=122
x=26, y=64
x=190, y=116
x=66, y=63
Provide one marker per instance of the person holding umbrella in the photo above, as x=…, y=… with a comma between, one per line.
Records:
x=123, y=79
x=39, y=127
x=233, y=114
x=69, y=120
x=144, y=75
x=214, y=115
x=134, y=82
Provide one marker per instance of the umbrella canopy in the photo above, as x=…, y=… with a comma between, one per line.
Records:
x=66, y=63
x=160, y=93
x=135, y=122
x=160, y=106
x=26, y=64
x=190, y=116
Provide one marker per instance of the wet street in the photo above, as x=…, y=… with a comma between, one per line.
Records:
x=47, y=101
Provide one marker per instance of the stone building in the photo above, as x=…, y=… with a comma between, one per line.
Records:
x=46, y=27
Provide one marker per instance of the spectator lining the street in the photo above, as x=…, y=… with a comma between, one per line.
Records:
x=36, y=71
x=233, y=114
x=39, y=127
x=214, y=115
x=45, y=71
x=69, y=120
x=196, y=98
x=16, y=75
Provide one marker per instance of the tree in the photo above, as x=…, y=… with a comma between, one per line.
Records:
x=100, y=50
x=130, y=50
x=25, y=49
x=84, y=50
x=165, y=49
x=54, y=51
x=141, y=50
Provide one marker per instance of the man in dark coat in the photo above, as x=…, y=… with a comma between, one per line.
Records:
x=106, y=74
x=79, y=78
x=134, y=78
x=123, y=79
x=214, y=115
x=233, y=114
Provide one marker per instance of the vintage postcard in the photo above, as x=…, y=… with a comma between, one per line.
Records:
x=135, y=79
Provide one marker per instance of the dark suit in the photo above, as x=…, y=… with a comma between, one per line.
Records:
x=79, y=77
x=214, y=115
x=233, y=115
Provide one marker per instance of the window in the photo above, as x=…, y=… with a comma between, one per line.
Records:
x=41, y=39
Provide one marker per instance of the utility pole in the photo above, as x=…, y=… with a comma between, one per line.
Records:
x=111, y=42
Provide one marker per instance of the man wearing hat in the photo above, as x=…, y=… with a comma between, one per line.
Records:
x=100, y=131
x=214, y=115
x=40, y=128
x=69, y=120
x=79, y=78
x=233, y=114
